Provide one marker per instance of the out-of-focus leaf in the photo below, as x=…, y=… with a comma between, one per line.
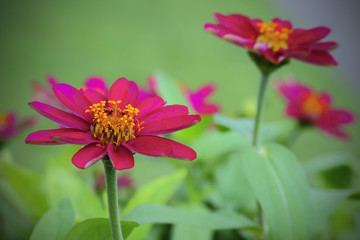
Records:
x=60, y=182
x=228, y=195
x=213, y=144
x=149, y=213
x=158, y=191
x=181, y=232
x=55, y=223
x=169, y=89
x=196, y=131
x=24, y=188
x=98, y=228
x=326, y=202
x=269, y=132
x=281, y=188
x=337, y=170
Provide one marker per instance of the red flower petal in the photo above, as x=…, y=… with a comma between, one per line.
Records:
x=73, y=99
x=125, y=91
x=98, y=84
x=88, y=155
x=149, y=104
x=59, y=116
x=94, y=96
x=45, y=137
x=317, y=57
x=164, y=112
x=158, y=146
x=300, y=36
x=121, y=157
x=169, y=125
x=78, y=138
x=241, y=24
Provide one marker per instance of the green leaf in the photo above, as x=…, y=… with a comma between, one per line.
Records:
x=149, y=213
x=159, y=191
x=213, y=144
x=281, y=188
x=98, y=228
x=56, y=222
x=24, y=188
x=169, y=89
x=61, y=182
x=228, y=197
x=181, y=232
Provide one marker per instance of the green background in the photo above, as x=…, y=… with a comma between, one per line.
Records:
x=73, y=40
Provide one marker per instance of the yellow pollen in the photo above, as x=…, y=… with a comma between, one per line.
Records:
x=314, y=105
x=112, y=124
x=274, y=36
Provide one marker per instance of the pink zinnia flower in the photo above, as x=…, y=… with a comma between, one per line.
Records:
x=197, y=99
x=10, y=125
x=116, y=125
x=313, y=108
x=276, y=40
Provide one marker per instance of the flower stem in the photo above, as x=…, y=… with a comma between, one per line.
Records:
x=260, y=105
x=112, y=196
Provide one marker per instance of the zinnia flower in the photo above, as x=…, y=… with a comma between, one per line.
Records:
x=116, y=125
x=10, y=125
x=197, y=99
x=276, y=40
x=311, y=108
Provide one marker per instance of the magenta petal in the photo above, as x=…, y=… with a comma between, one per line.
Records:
x=317, y=57
x=46, y=137
x=88, y=155
x=121, y=157
x=98, y=84
x=164, y=112
x=59, y=116
x=94, y=96
x=300, y=36
x=168, y=125
x=119, y=91
x=133, y=94
x=78, y=138
x=73, y=99
x=292, y=90
x=198, y=100
x=158, y=146
x=147, y=105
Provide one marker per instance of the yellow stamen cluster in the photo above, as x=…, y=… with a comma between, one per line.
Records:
x=314, y=105
x=275, y=37
x=112, y=124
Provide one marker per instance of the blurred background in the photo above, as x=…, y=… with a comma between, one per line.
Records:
x=73, y=40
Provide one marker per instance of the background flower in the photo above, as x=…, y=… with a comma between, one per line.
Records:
x=314, y=108
x=276, y=40
x=10, y=125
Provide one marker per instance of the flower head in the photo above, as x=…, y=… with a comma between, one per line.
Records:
x=10, y=125
x=197, y=99
x=314, y=108
x=276, y=40
x=116, y=124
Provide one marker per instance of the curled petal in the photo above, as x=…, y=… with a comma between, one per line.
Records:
x=59, y=116
x=96, y=83
x=88, y=155
x=158, y=146
x=120, y=156
x=73, y=99
x=125, y=91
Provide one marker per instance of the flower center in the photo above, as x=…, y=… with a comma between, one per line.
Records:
x=275, y=36
x=313, y=105
x=112, y=124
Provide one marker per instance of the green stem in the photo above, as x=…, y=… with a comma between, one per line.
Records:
x=260, y=105
x=112, y=196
